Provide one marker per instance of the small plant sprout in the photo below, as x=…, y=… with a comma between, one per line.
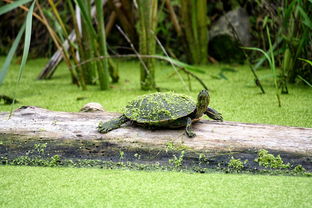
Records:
x=202, y=158
x=40, y=148
x=299, y=169
x=177, y=161
x=170, y=146
x=121, y=155
x=236, y=164
x=137, y=156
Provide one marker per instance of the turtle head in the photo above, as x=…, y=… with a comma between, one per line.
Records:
x=203, y=100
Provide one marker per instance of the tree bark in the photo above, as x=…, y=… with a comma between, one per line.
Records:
x=74, y=135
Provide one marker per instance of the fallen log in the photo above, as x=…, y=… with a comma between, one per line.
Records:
x=74, y=136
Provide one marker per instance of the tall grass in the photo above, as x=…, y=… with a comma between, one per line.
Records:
x=271, y=59
x=95, y=34
x=296, y=33
x=26, y=28
x=291, y=28
x=12, y=51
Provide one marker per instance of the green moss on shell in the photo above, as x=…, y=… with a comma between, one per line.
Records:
x=159, y=107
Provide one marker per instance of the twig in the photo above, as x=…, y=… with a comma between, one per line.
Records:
x=165, y=52
x=133, y=48
x=196, y=77
x=26, y=9
x=174, y=18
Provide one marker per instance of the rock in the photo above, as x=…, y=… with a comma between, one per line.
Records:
x=223, y=45
x=92, y=107
x=240, y=21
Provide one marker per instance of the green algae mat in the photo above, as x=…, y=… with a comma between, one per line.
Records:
x=80, y=187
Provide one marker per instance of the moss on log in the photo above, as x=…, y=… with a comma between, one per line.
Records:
x=74, y=136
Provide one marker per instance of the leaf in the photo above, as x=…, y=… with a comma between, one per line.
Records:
x=259, y=50
x=221, y=74
x=306, y=19
x=262, y=59
x=215, y=77
x=12, y=6
x=306, y=60
x=28, y=23
x=86, y=17
x=8, y=59
x=181, y=64
x=27, y=40
x=300, y=77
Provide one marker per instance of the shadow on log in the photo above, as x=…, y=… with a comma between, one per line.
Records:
x=74, y=136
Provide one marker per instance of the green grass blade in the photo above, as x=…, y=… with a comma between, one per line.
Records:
x=306, y=60
x=12, y=6
x=8, y=60
x=27, y=40
x=273, y=66
x=266, y=55
x=181, y=64
x=306, y=19
x=300, y=77
x=26, y=47
x=271, y=51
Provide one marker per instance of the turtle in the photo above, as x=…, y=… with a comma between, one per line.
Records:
x=164, y=110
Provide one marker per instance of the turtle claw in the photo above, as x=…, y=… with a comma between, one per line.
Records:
x=191, y=134
x=213, y=114
x=188, y=128
x=101, y=128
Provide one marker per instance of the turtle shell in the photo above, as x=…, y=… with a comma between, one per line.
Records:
x=159, y=107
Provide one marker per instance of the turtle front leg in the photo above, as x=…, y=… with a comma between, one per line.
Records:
x=213, y=114
x=112, y=124
x=188, y=128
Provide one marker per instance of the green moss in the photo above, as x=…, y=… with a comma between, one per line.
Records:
x=89, y=187
x=299, y=169
x=156, y=107
x=236, y=164
x=177, y=162
x=270, y=161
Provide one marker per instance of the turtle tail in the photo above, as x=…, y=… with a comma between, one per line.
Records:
x=112, y=124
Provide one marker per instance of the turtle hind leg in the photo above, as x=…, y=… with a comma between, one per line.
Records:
x=112, y=124
x=213, y=114
x=188, y=128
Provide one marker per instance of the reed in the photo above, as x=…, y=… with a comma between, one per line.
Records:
x=147, y=44
x=194, y=19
